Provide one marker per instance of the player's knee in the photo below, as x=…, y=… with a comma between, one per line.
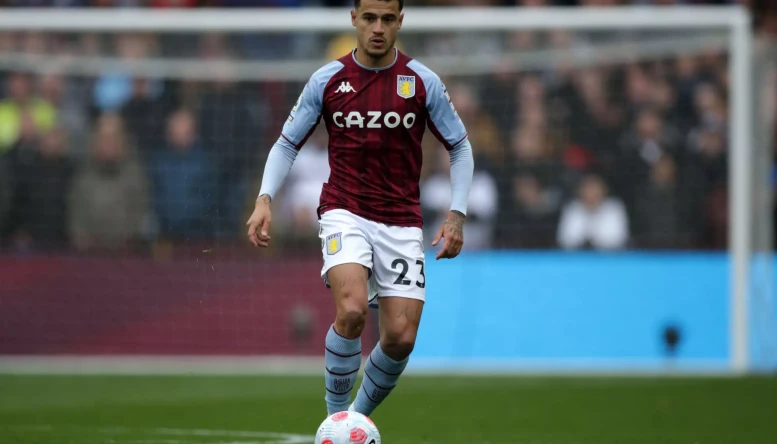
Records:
x=398, y=344
x=351, y=317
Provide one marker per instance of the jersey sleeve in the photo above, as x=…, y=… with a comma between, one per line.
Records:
x=306, y=113
x=444, y=122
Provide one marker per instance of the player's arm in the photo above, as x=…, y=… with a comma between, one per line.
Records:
x=300, y=124
x=446, y=125
x=462, y=168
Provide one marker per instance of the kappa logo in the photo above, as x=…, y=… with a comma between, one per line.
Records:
x=406, y=86
x=345, y=87
x=334, y=243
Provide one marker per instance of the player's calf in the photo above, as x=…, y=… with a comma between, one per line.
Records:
x=343, y=341
x=399, y=321
x=342, y=358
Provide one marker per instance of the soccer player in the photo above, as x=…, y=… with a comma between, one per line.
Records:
x=376, y=103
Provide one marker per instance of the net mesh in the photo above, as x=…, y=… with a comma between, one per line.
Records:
x=130, y=163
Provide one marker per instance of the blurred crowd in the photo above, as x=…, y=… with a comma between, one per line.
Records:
x=629, y=155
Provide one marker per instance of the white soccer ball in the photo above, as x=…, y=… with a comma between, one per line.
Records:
x=347, y=428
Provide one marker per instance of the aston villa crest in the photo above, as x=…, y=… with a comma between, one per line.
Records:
x=334, y=243
x=406, y=86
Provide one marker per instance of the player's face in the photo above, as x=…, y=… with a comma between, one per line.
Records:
x=377, y=23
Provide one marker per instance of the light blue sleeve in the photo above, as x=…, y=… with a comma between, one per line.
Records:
x=306, y=113
x=279, y=162
x=300, y=124
x=444, y=122
x=462, y=169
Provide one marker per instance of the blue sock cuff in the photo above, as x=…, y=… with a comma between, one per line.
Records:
x=381, y=360
x=340, y=344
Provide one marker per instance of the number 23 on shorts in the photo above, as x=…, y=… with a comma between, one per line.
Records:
x=402, y=267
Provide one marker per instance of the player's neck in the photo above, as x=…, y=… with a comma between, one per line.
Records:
x=365, y=60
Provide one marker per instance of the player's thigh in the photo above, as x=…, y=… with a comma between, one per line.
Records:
x=347, y=254
x=348, y=283
x=400, y=318
x=399, y=263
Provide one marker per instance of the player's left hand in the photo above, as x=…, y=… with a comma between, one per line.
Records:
x=452, y=231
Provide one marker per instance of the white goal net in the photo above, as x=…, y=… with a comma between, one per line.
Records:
x=132, y=145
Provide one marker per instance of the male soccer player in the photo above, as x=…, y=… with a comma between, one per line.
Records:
x=376, y=103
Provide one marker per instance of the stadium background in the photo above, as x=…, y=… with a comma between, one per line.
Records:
x=597, y=242
x=123, y=200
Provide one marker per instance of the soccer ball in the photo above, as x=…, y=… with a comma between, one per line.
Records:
x=347, y=428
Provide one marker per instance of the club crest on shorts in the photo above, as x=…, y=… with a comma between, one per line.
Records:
x=406, y=86
x=334, y=243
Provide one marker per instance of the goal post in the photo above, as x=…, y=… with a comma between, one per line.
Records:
x=699, y=26
x=337, y=19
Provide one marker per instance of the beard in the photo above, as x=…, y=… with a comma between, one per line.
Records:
x=377, y=53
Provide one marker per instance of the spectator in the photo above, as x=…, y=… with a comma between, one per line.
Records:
x=183, y=181
x=593, y=220
x=640, y=89
x=640, y=148
x=113, y=89
x=481, y=207
x=6, y=193
x=593, y=119
x=530, y=216
x=39, y=212
x=232, y=118
x=145, y=114
x=22, y=102
x=661, y=210
x=533, y=152
x=688, y=78
x=306, y=177
x=499, y=98
x=481, y=129
x=710, y=106
x=26, y=145
x=68, y=96
x=108, y=207
x=707, y=183
x=765, y=15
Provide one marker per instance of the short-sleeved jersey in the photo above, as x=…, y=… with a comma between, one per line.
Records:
x=376, y=119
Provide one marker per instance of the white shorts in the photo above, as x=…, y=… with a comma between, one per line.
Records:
x=393, y=255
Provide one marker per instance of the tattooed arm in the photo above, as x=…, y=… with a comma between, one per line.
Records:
x=452, y=231
x=279, y=163
x=462, y=166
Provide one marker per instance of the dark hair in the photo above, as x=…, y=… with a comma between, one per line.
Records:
x=357, y=3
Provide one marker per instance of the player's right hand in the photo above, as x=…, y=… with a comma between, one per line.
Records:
x=259, y=222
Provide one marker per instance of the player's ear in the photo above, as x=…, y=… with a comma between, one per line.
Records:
x=401, y=17
x=353, y=17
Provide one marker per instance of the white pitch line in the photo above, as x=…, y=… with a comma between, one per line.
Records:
x=290, y=438
x=149, y=441
x=277, y=438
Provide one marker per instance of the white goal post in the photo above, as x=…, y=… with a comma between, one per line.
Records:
x=735, y=20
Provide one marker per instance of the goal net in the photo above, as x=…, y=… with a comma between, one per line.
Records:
x=132, y=147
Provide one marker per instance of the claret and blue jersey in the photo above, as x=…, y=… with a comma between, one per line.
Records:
x=376, y=119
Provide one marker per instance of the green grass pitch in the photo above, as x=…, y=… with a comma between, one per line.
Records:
x=440, y=410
